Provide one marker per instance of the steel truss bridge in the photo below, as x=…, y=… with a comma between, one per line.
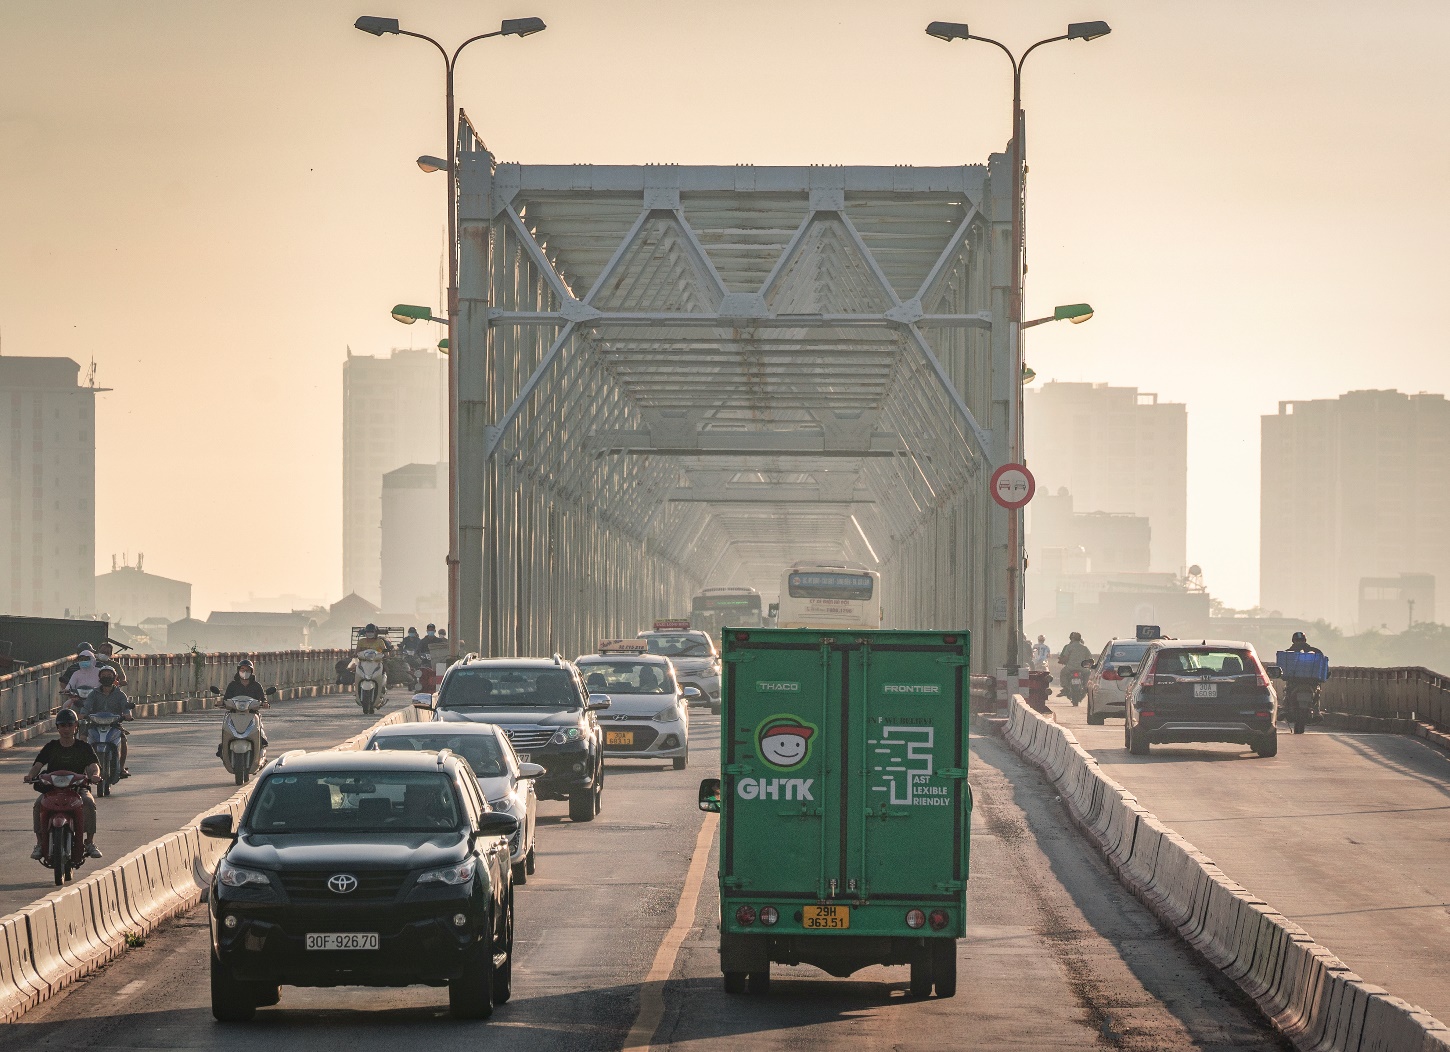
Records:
x=674, y=376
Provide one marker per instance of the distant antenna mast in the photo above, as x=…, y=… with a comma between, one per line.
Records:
x=91, y=375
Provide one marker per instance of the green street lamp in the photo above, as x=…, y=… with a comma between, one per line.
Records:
x=408, y=314
x=950, y=31
x=1077, y=313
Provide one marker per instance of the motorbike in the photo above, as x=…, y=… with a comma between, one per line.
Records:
x=242, y=751
x=62, y=819
x=371, y=682
x=1301, y=703
x=103, y=731
x=1075, y=685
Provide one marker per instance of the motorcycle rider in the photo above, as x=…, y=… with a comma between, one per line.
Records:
x=412, y=643
x=1300, y=645
x=83, y=674
x=1072, y=657
x=244, y=685
x=1040, y=653
x=88, y=657
x=109, y=697
x=67, y=753
x=106, y=655
x=371, y=638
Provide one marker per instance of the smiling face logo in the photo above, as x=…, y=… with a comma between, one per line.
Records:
x=784, y=742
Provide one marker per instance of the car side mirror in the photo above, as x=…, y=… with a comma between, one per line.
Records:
x=215, y=690
x=531, y=770
x=598, y=703
x=710, y=795
x=270, y=692
x=497, y=823
x=217, y=826
x=1274, y=671
x=691, y=692
x=424, y=701
x=1126, y=671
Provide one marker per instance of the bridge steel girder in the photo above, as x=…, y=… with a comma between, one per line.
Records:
x=796, y=362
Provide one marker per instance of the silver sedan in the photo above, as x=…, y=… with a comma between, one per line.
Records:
x=649, y=712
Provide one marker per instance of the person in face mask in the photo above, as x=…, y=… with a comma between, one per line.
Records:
x=111, y=698
x=98, y=657
x=244, y=684
x=84, y=675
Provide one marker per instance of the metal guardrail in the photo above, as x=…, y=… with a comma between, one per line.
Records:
x=1390, y=693
x=32, y=694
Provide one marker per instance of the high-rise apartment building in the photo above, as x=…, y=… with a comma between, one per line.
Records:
x=1351, y=487
x=394, y=412
x=1115, y=449
x=47, y=488
x=415, y=542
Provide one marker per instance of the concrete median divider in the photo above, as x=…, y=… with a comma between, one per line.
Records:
x=1314, y=998
x=72, y=932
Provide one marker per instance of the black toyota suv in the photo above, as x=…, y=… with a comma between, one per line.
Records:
x=363, y=869
x=1199, y=691
x=542, y=705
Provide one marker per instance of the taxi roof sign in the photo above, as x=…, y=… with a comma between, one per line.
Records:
x=1148, y=633
x=677, y=624
x=623, y=646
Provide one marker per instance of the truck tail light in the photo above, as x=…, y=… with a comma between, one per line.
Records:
x=915, y=918
x=769, y=915
x=745, y=916
x=938, y=919
x=1145, y=712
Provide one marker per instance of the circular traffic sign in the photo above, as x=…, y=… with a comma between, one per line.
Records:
x=1013, y=486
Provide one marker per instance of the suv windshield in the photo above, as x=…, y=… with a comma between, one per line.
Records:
x=1127, y=652
x=1215, y=660
x=497, y=688
x=355, y=801
x=680, y=644
x=480, y=750
x=627, y=677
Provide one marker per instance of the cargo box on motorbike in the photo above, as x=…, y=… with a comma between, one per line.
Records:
x=1297, y=665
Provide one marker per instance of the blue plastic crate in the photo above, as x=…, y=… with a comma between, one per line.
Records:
x=1302, y=666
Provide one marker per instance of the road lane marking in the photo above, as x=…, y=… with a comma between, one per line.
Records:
x=652, y=990
x=130, y=988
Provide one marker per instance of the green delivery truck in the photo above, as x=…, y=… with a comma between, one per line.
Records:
x=844, y=803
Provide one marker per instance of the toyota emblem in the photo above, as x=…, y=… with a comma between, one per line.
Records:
x=342, y=883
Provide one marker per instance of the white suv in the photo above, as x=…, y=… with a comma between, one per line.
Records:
x=1106, y=690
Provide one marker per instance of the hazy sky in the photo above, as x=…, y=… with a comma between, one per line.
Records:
x=215, y=199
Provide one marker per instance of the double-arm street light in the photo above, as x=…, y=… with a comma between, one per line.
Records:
x=517, y=27
x=950, y=31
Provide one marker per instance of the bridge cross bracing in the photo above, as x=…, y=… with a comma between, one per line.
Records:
x=678, y=376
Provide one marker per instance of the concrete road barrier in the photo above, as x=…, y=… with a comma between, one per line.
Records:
x=73, y=932
x=1307, y=992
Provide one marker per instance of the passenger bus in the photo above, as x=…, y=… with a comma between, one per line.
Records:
x=829, y=595
x=717, y=608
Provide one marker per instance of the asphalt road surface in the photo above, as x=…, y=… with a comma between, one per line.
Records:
x=1348, y=835
x=175, y=775
x=1058, y=956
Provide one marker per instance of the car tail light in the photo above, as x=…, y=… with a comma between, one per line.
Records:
x=1263, y=674
x=938, y=919
x=745, y=916
x=1110, y=675
x=1262, y=715
x=1145, y=712
x=769, y=915
x=915, y=918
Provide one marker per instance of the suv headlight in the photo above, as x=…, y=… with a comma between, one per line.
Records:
x=666, y=715
x=461, y=873
x=237, y=877
x=570, y=734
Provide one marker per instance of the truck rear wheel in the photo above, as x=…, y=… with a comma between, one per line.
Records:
x=921, y=971
x=734, y=982
x=944, y=967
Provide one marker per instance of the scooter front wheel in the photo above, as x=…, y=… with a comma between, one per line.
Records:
x=59, y=855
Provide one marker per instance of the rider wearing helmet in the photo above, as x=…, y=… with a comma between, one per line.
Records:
x=1300, y=645
x=244, y=685
x=67, y=753
x=1073, y=655
x=88, y=656
x=109, y=697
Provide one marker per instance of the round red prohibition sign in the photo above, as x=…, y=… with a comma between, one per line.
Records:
x=1013, y=486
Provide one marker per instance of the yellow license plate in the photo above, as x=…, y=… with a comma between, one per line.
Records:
x=835, y=917
x=619, y=737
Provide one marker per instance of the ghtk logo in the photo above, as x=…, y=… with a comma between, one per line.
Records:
x=784, y=742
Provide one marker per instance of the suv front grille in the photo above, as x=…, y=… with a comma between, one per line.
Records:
x=527, y=739
x=311, y=886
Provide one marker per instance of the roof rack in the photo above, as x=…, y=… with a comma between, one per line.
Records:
x=558, y=658
x=443, y=754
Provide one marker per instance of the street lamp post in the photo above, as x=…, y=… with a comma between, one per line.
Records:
x=949, y=31
x=520, y=27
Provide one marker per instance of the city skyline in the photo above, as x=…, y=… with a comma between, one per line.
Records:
x=1226, y=297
